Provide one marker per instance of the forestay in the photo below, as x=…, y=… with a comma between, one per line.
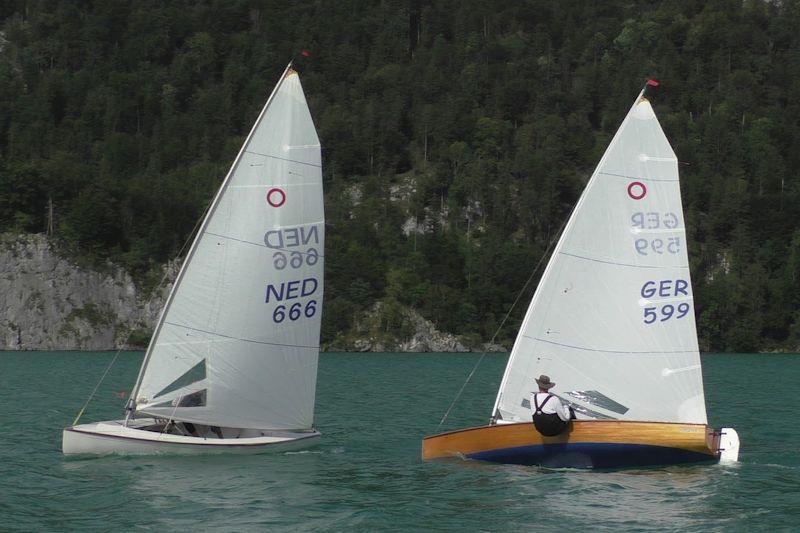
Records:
x=237, y=344
x=612, y=320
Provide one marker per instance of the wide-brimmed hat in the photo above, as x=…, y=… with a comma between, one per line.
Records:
x=544, y=382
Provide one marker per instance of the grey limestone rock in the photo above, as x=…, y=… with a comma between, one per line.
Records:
x=49, y=303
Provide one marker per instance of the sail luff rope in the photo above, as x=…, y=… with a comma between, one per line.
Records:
x=128, y=336
x=502, y=323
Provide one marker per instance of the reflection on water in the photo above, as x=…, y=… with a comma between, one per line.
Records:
x=365, y=473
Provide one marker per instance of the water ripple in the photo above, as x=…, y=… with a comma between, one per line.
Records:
x=366, y=474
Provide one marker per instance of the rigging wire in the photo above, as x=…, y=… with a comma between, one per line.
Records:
x=128, y=336
x=505, y=318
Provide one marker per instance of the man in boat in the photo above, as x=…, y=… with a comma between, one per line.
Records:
x=195, y=399
x=550, y=416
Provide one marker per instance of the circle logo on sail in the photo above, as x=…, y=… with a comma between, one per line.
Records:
x=276, y=197
x=637, y=190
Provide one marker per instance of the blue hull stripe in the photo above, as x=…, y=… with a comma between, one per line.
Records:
x=591, y=455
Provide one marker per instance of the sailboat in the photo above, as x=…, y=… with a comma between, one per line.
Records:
x=612, y=323
x=232, y=363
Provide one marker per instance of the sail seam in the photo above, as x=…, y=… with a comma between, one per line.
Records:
x=260, y=245
x=621, y=264
x=283, y=159
x=604, y=351
x=239, y=338
x=270, y=185
x=634, y=177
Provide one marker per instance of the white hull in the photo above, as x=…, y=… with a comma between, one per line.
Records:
x=113, y=437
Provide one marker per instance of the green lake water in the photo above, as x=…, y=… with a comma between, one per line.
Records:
x=365, y=474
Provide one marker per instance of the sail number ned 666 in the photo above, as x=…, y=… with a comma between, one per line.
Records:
x=294, y=312
x=298, y=289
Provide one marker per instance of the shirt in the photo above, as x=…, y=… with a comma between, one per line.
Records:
x=553, y=405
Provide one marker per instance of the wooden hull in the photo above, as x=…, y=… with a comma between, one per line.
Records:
x=585, y=444
x=113, y=437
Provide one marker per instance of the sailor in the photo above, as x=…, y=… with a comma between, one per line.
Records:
x=550, y=416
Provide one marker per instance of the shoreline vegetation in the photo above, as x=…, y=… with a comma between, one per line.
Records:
x=456, y=138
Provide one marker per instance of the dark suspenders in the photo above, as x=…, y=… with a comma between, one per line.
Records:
x=548, y=424
x=540, y=407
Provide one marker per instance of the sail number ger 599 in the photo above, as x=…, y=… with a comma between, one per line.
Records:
x=672, y=289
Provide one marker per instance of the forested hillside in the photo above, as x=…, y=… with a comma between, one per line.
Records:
x=457, y=135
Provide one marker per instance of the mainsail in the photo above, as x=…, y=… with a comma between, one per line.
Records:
x=612, y=320
x=238, y=341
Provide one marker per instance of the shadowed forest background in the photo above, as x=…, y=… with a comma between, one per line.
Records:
x=457, y=135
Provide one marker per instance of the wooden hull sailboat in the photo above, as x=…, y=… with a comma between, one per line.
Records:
x=612, y=322
x=587, y=444
x=232, y=364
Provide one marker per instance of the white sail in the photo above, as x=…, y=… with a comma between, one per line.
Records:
x=238, y=341
x=612, y=320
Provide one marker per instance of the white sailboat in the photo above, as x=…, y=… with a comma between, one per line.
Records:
x=232, y=364
x=612, y=322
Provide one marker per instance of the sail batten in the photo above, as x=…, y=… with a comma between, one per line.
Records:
x=584, y=348
x=643, y=178
x=320, y=254
x=317, y=165
x=230, y=337
x=597, y=260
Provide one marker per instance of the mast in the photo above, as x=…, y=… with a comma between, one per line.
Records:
x=131, y=407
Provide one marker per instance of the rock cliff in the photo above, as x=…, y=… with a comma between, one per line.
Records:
x=49, y=303
x=404, y=330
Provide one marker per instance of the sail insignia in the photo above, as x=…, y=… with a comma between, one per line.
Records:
x=578, y=408
x=585, y=411
x=593, y=397
x=191, y=376
x=193, y=399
